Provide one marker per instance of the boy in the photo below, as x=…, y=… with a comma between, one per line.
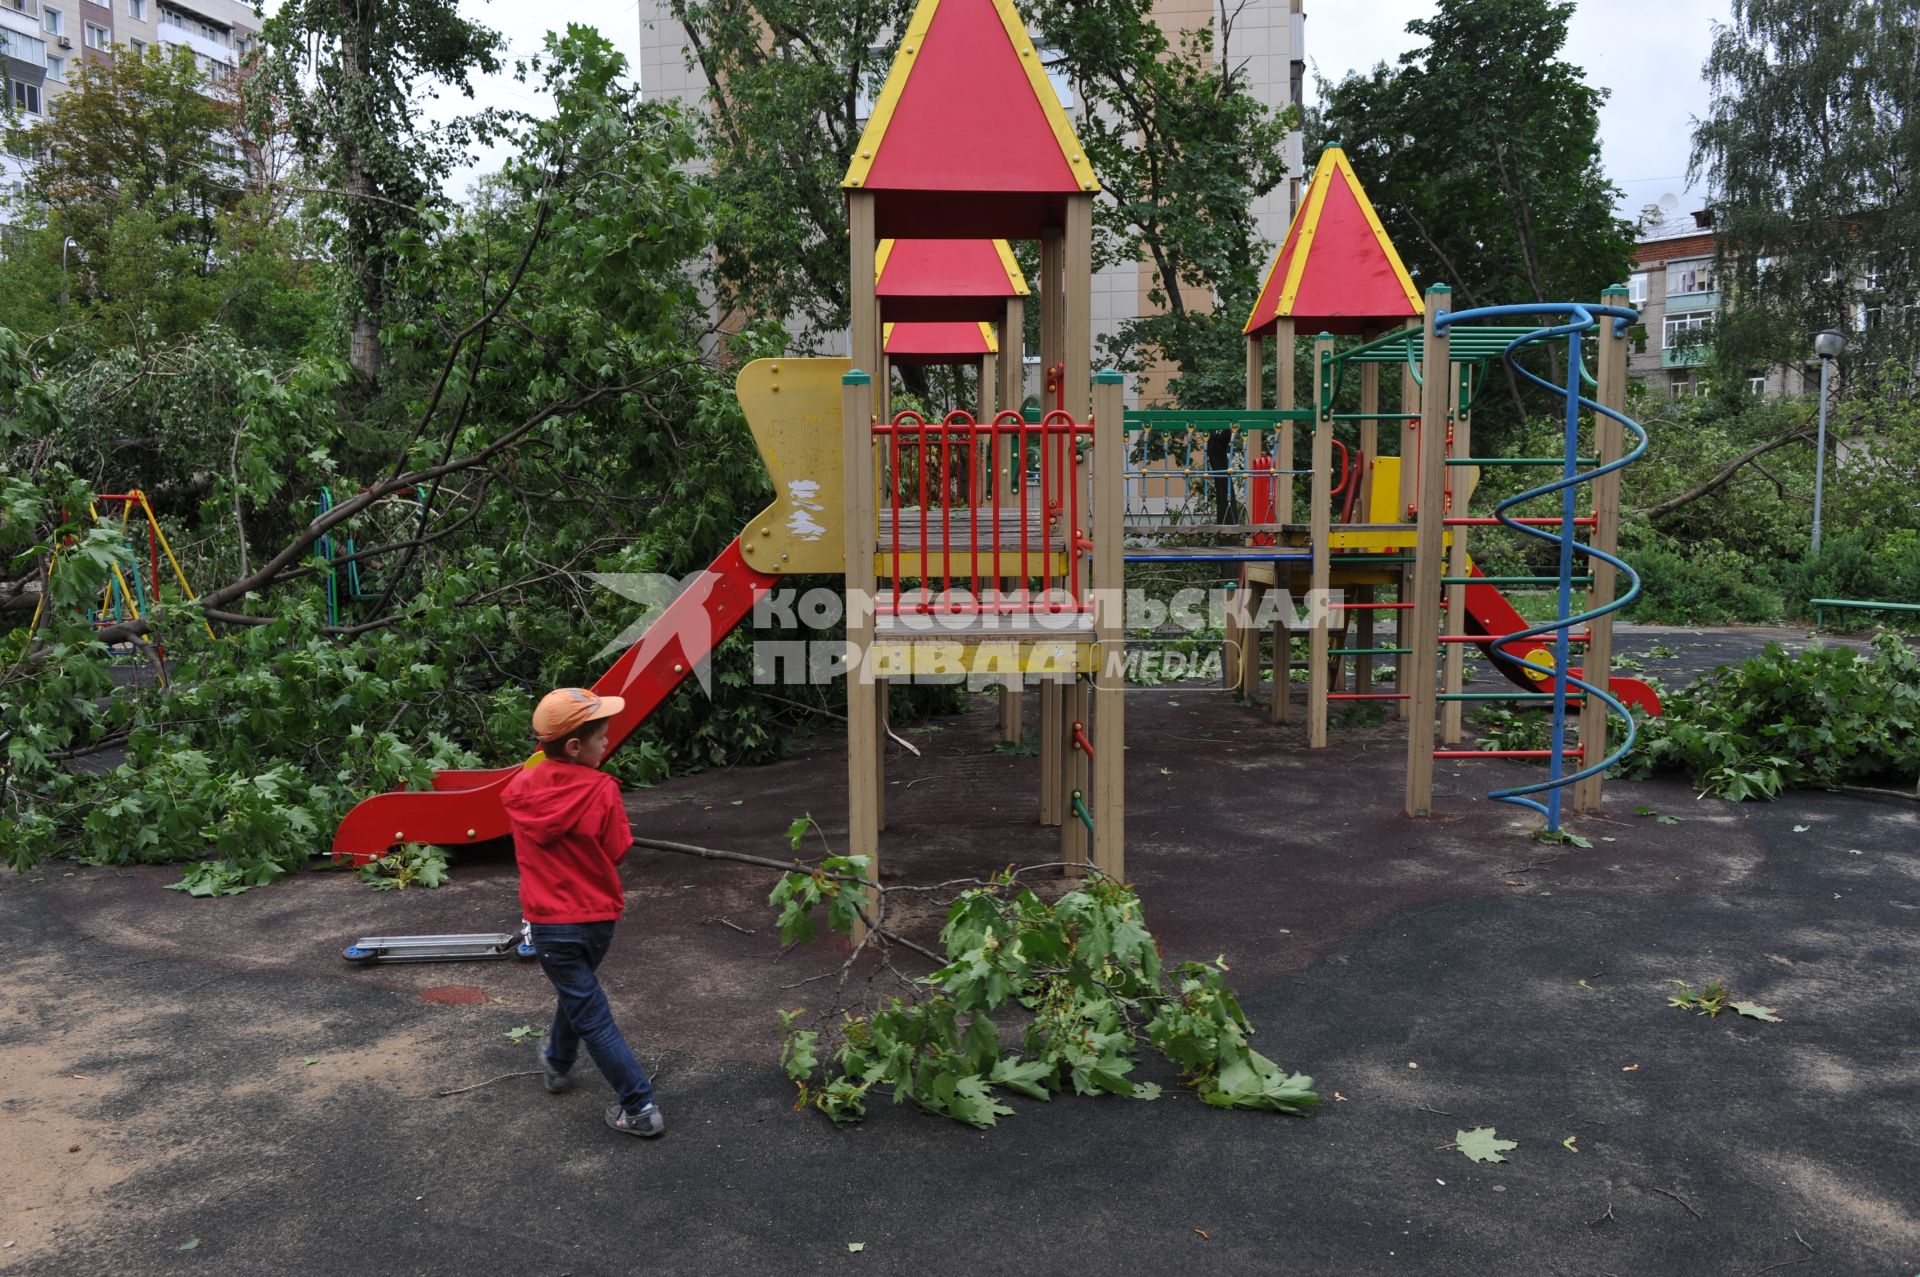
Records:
x=570, y=833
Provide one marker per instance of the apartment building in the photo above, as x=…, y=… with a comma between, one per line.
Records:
x=1677, y=290
x=44, y=41
x=1267, y=37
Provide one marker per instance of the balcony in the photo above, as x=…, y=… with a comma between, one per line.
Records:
x=22, y=47
x=1685, y=356
x=1677, y=302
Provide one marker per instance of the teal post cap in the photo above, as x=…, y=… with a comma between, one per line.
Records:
x=1438, y=288
x=856, y=378
x=1107, y=377
x=1611, y=289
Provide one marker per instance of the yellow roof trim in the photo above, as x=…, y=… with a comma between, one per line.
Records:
x=1380, y=232
x=888, y=102
x=1274, y=265
x=886, y=335
x=1014, y=277
x=1077, y=161
x=1315, y=203
x=889, y=99
x=993, y=343
x=881, y=252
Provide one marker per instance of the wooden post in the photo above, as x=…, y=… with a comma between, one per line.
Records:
x=1369, y=434
x=1233, y=656
x=1076, y=775
x=1409, y=441
x=863, y=740
x=1320, y=525
x=1610, y=372
x=1078, y=316
x=1109, y=627
x=881, y=697
x=1013, y=379
x=1363, y=638
x=1409, y=484
x=1452, y=716
x=1052, y=342
x=1424, y=619
x=1280, y=709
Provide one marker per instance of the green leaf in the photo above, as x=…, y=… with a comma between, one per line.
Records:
x=1754, y=1011
x=310, y=1060
x=522, y=1032
x=192, y=1243
x=854, y=1248
x=1481, y=1144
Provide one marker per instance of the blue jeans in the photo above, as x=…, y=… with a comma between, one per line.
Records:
x=569, y=954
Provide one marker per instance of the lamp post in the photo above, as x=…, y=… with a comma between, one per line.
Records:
x=65, y=244
x=1828, y=346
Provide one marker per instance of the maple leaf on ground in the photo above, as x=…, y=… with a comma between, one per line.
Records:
x=1481, y=1144
x=1754, y=1011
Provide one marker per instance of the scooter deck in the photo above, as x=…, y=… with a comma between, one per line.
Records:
x=479, y=946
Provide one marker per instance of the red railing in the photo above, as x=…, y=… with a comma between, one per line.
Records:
x=943, y=477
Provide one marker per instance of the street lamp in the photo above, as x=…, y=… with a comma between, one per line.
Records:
x=65, y=244
x=1828, y=346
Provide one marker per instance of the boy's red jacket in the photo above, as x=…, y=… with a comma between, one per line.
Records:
x=570, y=831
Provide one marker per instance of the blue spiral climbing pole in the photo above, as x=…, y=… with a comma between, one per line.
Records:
x=1577, y=319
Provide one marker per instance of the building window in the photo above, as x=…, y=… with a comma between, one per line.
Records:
x=98, y=37
x=56, y=68
x=1056, y=68
x=26, y=97
x=1686, y=385
x=138, y=48
x=1756, y=386
x=50, y=19
x=24, y=48
x=137, y=10
x=1674, y=328
x=1637, y=288
x=1694, y=276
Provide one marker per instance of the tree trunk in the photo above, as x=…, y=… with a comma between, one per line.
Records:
x=363, y=343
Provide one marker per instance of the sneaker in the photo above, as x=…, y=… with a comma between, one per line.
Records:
x=647, y=1123
x=555, y=1079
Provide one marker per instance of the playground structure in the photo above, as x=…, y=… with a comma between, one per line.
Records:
x=994, y=544
x=128, y=595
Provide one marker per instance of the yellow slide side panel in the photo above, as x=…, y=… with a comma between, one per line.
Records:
x=793, y=408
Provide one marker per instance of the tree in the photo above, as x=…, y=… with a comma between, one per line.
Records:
x=787, y=81
x=1481, y=153
x=137, y=166
x=1181, y=147
x=349, y=76
x=1811, y=149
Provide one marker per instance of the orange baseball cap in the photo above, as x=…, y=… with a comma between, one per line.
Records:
x=563, y=712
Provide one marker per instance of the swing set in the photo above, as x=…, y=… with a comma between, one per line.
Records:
x=129, y=595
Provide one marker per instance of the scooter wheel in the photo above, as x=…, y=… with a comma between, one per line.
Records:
x=355, y=954
x=525, y=952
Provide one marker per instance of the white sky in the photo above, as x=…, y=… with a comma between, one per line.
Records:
x=1649, y=52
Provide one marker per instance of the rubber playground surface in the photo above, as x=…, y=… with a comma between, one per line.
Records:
x=205, y=1087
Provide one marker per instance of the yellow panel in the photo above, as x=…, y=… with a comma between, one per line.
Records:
x=1386, y=491
x=793, y=407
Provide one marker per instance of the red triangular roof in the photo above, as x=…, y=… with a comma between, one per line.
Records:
x=924, y=343
x=967, y=108
x=1336, y=271
x=947, y=268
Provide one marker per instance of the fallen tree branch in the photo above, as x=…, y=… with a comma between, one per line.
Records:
x=462, y=1090
x=1720, y=479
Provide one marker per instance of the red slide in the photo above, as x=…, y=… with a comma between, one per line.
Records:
x=1489, y=613
x=464, y=807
